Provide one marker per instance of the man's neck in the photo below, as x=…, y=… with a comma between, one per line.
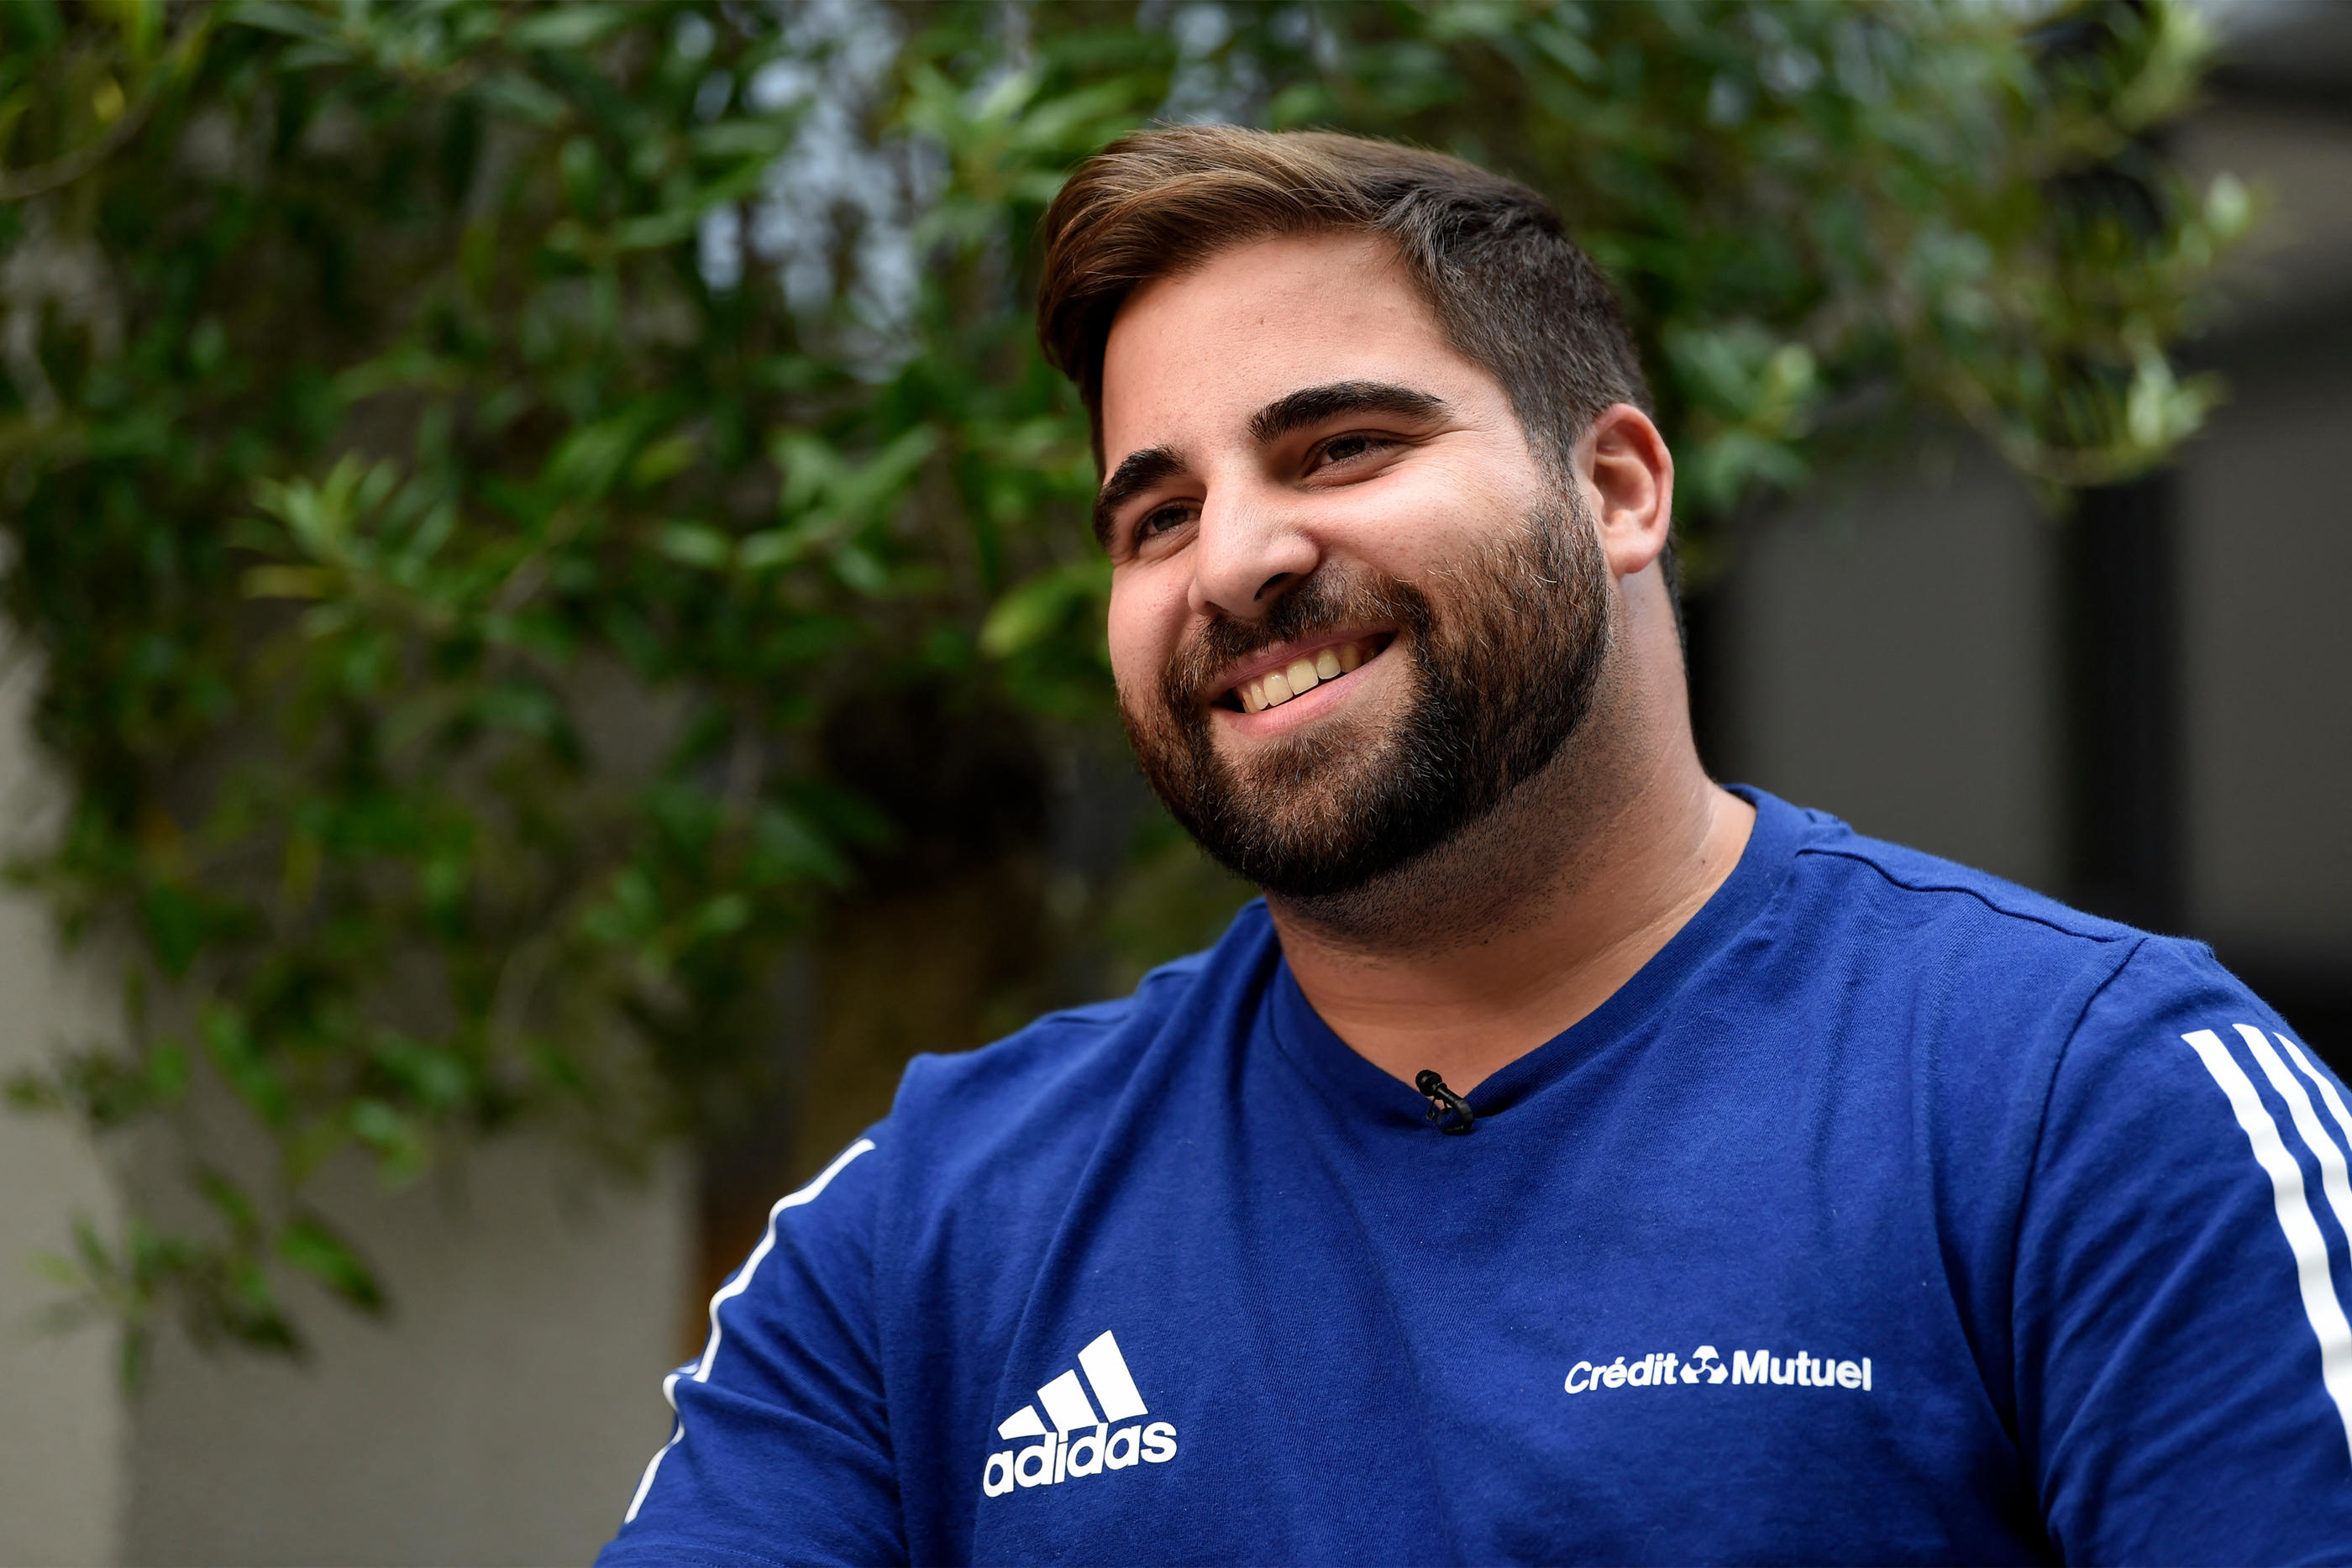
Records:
x=1530, y=919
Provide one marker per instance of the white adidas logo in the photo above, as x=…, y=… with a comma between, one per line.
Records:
x=1059, y=1456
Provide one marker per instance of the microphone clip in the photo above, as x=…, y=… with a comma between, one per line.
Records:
x=1448, y=1111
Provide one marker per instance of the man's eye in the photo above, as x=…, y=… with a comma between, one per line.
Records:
x=1340, y=448
x=1161, y=519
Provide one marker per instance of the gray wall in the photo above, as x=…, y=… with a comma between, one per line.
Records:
x=2266, y=568
x=62, y=1423
x=502, y=1417
x=1889, y=653
x=2267, y=602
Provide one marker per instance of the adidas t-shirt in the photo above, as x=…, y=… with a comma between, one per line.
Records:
x=1891, y=1213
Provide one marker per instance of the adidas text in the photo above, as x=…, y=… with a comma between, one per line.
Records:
x=1081, y=1443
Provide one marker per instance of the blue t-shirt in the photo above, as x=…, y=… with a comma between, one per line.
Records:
x=1891, y=1213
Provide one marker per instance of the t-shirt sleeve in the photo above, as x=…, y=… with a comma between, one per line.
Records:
x=2184, y=1262
x=781, y=1453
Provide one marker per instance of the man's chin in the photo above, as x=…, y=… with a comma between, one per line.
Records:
x=1305, y=837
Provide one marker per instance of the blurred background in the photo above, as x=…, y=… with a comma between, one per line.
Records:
x=552, y=643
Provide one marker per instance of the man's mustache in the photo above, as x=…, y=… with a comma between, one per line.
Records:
x=1326, y=602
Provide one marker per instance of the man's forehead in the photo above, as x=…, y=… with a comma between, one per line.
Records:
x=1269, y=262
x=1200, y=351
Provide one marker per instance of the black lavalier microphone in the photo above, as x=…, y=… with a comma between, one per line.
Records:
x=1444, y=1102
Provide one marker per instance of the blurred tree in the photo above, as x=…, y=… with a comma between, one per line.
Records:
x=528, y=516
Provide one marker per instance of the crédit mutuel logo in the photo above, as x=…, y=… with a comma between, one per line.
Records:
x=1661, y=1368
x=1081, y=1443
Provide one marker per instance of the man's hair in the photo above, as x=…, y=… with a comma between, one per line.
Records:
x=1510, y=290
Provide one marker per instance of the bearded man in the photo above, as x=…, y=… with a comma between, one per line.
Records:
x=1570, y=1159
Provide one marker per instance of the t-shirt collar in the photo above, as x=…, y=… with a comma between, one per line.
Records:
x=1339, y=1072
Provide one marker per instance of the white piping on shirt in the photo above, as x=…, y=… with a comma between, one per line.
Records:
x=699, y=1370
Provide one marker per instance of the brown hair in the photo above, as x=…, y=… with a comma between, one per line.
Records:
x=1510, y=289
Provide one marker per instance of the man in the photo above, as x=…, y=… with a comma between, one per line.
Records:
x=1570, y=1159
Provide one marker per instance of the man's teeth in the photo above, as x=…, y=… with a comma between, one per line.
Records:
x=1276, y=687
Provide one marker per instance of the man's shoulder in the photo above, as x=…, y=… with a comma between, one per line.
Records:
x=1068, y=1041
x=1935, y=923
x=1912, y=917
x=1915, y=886
x=1054, y=1084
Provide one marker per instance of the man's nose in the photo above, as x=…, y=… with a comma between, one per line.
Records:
x=1249, y=553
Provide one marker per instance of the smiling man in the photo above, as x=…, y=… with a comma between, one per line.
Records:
x=1570, y=1159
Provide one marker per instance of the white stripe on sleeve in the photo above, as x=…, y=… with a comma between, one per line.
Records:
x=700, y=1369
x=2294, y=1209
x=2332, y=1176
x=2326, y=1089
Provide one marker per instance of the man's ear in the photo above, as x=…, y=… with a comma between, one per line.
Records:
x=1629, y=479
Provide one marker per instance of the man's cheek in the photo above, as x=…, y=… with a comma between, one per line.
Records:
x=1140, y=649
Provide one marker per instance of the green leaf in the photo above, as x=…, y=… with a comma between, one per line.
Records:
x=574, y=24
x=230, y=1043
x=228, y=1201
x=398, y=1143
x=277, y=16
x=1043, y=605
x=523, y=97
x=308, y=1244
x=694, y=544
x=177, y=925
x=665, y=459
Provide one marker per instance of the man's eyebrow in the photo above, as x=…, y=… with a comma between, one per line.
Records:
x=1137, y=472
x=1313, y=405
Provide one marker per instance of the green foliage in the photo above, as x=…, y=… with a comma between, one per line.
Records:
x=458, y=455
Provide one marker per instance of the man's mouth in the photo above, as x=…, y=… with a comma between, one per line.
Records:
x=1300, y=674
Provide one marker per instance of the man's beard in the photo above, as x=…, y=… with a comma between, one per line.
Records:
x=1505, y=664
